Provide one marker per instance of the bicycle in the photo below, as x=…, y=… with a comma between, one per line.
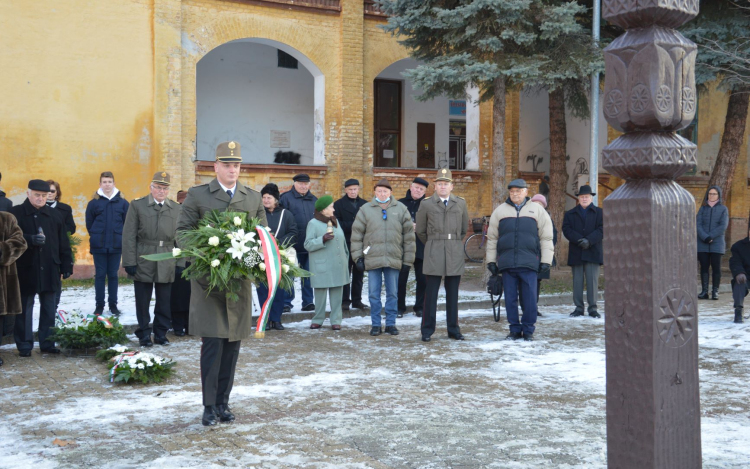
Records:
x=475, y=244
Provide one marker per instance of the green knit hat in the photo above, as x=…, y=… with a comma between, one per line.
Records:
x=323, y=202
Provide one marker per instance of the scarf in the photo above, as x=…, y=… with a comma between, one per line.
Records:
x=320, y=217
x=712, y=203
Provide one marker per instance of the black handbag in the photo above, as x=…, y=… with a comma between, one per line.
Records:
x=495, y=285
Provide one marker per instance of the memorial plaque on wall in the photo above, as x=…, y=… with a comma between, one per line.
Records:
x=281, y=139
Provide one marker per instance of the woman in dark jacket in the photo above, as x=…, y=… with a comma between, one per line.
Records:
x=712, y=221
x=53, y=201
x=283, y=226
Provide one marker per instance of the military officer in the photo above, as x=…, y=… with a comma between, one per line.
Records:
x=221, y=323
x=442, y=222
x=150, y=228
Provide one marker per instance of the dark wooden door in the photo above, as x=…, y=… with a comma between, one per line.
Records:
x=425, y=145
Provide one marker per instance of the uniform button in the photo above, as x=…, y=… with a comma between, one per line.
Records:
x=42, y=268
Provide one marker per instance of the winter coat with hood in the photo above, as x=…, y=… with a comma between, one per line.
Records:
x=412, y=205
x=712, y=223
x=5, y=203
x=390, y=242
x=303, y=209
x=105, y=219
x=12, y=245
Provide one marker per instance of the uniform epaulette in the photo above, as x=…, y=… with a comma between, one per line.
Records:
x=199, y=185
x=460, y=197
x=139, y=198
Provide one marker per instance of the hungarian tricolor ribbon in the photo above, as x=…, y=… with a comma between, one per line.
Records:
x=118, y=361
x=102, y=319
x=61, y=316
x=272, y=259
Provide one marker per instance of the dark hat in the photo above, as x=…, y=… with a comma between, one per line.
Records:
x=444, y=175
x=270, y=189
x=584, y=190
x=162, y=178
x=351, y=182
x=383, y=183
x=301, y=178
x=323, y=202
x=421, y=182
x=228, y=152
x=518, y=184
x=38, y=185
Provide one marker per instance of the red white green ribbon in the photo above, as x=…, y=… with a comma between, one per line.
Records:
x=272, y=258
x=102, y=319
x=61, y=316
x=118, y=361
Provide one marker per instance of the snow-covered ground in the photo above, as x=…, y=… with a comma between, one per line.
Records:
x=344, y=399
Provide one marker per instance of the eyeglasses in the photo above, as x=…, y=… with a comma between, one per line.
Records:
x=54, y=192
x=160, y=188
x=385, y=215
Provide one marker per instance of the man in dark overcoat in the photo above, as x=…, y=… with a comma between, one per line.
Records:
x=40, y=267
x=739, y=264
x=221, y=323
x=150, y=228
x=12, y=245
x=583, y=226
x=346, y=209
x=414, y=196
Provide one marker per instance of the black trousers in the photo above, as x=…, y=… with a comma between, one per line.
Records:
x=403, y=279
x=218, y=362
x=23, y=331
x=432, y=287
x=162, y=315
x=180, y=320
x=356, y=285
x=712, y=260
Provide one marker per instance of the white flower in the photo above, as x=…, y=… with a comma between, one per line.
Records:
x=238, y=249
x=140, y=366
x=285, y=268
x=230, y=235
x=237, y=221
x=262, y=266
x=213, y=241
x=215, y=263
x=176, y=252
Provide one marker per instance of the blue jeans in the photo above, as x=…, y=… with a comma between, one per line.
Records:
x=277, y=307
x=375, y=281
x=525, y=279
x=307, y=291
x=106, y=266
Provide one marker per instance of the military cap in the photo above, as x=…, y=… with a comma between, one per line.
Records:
x=162, y=178
x=518, y=184
x=351, y=182
x=383, y=183
x=585, y=190
x=301, y=178
x=444, y=175
x=39, y=185
x=228, y=152
x=421, y=181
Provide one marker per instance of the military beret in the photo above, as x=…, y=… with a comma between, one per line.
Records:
x=301, y=178
x=351, y=182
x=421, y=181
x=39, y=185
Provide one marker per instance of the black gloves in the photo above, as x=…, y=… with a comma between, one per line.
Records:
x=131, y=270
x=709, y=240
x=543, y=268
x=360, y=264
x=492, y=267
x=38, y=239
x=741, y=278
x=67, y=274
x=584, y=243
x=327, y=237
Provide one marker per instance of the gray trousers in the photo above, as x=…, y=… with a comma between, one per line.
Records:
x=591, y=271
x=334, y=294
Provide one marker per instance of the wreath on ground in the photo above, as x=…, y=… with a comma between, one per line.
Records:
x=126, y=364
x=76, y=331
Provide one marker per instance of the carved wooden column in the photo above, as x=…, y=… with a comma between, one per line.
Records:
x=651, y=328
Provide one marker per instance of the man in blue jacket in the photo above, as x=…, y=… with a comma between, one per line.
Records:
x=105, y=219
x=301, y=202
x=583, y=226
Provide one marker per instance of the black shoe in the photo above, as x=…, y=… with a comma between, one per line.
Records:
x=594, y=314
x=179, y=333
x=528, y=337
x=161, y=340
x=99, y=310
x=287, y=309
x=539, y=315
x=425, y=339
x=113, y=309
x=514, y=336
x=276, y=325
x=345, y=307
x=456, y=336
x=703, y=295
x=576, y=314
x=375, y=331
x=418, y=314
x=146, y=342
x=359, y=305
x=738, y=316
x=400, y=314
x=25, y=353
x=391, y=330
x=715, y=294
x=52, y=350
x=225, y=415
x=310, y=307
x=209, y=416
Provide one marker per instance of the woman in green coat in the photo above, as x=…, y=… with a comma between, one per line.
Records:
x=329, y=262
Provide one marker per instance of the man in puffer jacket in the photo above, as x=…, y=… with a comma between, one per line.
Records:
x=382, y=243
x=105, y=219
x=519, y=245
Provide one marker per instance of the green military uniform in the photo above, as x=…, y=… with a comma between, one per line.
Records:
x=441, y=227
x=221, y=323
x=150, y=228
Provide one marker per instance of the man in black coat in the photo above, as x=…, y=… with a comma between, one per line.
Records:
x=346, y=209
x=739, y=264
x=40, y=267
x=414, y=196
x=5, y=203
x=583, y=226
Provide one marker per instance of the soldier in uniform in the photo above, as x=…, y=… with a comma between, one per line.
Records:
x=150, y=228
x=221, y=323
x=442, y=222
